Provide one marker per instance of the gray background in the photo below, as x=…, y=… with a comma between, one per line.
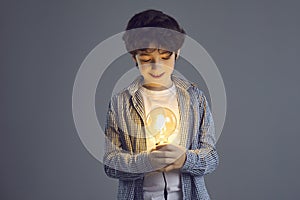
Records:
x=255, y=44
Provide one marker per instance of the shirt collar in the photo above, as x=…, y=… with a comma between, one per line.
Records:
x=137, y=83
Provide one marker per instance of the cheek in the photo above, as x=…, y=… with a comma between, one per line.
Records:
x=143, y=69
x=170, y=66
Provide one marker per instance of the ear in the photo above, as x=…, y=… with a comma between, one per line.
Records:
x=135, y=61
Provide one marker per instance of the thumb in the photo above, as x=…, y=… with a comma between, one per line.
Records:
x=169, y=168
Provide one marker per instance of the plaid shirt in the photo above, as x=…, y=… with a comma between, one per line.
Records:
x=126, y=157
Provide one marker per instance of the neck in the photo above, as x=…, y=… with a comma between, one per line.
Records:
x=157, y=87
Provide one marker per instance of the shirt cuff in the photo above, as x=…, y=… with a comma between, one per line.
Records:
x=190, y=161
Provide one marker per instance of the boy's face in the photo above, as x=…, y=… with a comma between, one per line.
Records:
x=156, y=66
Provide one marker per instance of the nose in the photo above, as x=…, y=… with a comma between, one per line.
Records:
x=155, y=62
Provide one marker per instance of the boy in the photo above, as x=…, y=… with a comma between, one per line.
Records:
x=149, y=163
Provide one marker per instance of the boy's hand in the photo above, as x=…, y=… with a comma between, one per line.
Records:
x=166, y=157
x=176, y=165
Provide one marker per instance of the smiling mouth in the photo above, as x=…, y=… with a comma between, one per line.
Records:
x=157, y=76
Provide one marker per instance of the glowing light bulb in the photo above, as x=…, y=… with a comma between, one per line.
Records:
x=161, y=122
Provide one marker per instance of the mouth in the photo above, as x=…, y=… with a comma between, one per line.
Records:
x=157, y=75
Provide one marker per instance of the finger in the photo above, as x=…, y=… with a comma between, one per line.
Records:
x=159, y=146
x=165, y=154
x=163, y=162
x=161, y=170
x=169, y=168
x=158, y=154
x=168, y=161
x=169, y=147
x=153, y=149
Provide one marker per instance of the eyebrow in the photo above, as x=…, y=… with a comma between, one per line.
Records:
x=146, y=52
x=162, y=51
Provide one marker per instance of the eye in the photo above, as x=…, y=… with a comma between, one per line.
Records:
x=145, y=60
x=166, y=58
x=166, y=55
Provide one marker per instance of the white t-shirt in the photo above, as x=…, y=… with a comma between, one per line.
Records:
x=154, y=183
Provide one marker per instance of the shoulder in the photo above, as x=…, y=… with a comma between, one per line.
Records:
x=123, y=100
x=196, y=93
x=186, y=84
x=126, y=93
x=119, y=99
x=195, y=90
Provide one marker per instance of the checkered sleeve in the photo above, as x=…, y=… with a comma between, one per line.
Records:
x=203, y=159
x=119, y=163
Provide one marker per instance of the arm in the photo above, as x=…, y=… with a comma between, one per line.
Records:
x=205, y=159
x=119, y=163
